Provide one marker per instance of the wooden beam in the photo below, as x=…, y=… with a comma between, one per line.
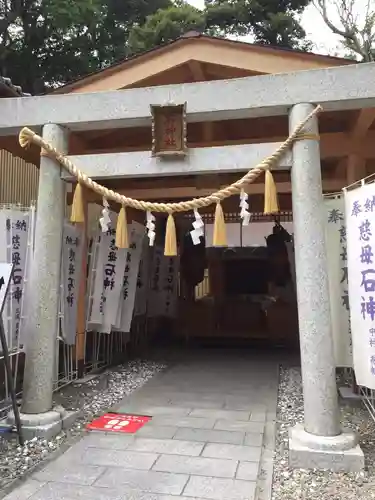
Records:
x=77, y=145
x=355, y=168
x=197, y=71
x=356, y=160
x=363, y=123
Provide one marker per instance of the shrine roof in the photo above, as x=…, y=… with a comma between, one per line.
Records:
x=196, y=57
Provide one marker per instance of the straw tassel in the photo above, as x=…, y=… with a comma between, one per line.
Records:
x=170, y=248
x=122, y=238
x=271, y=203
x=78, y=206
x=25, y=137
x=220, y=233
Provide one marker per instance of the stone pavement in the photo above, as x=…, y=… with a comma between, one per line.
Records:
x=211, y=437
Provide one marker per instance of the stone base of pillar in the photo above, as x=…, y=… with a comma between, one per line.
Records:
x=338, y=454
x=350, y=396
x=45, y=425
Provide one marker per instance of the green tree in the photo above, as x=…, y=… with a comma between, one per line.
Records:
x=166, y=25
x=266, y=21
x=44, y=43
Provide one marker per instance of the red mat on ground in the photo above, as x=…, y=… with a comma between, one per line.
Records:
x=114, y=422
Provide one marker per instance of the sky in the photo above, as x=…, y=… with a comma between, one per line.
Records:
x=325, y=42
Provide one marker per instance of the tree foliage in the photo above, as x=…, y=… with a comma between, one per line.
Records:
x=49, y=42
x=266, y=21
x=44, y=43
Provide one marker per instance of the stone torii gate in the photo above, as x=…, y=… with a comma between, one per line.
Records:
x=320, y=442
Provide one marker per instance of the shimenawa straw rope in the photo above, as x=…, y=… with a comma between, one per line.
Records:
x=27, y=136
x=271, y=205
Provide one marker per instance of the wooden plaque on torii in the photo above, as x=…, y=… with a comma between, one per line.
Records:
x=169, y=130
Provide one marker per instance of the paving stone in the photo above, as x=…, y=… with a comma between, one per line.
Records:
x=83, y=475
x=232, y=451
x=167, y=446
x=212, y=400
x=151, y=410
x=182, y=396
x=118, y=458
x=196, y=466
x=253, y=439
x=248, y=471
x=236, y=425
x=25, y=491
x=220, y=414
x=145, y=400
x=114, y=441
x=171, y=497
x=220, y=489
x=152, y=481
x=258, y=416
x=243, y=403
x=156, y=431
x=64, y=491
x=198, y=403
x=193, y=422
x=211, y=436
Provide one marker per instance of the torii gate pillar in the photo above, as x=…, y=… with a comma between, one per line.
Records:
x=320, y=443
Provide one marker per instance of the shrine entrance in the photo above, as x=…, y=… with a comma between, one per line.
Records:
x=242, y=294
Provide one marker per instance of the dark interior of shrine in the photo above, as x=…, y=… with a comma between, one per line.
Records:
x=235, y=296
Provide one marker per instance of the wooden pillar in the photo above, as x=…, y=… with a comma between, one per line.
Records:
x=81, y=306
x=355, y=168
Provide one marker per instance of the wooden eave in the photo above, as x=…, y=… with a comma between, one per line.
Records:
x=198, y=58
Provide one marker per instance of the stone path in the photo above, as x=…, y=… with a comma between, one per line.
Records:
x=211, y=437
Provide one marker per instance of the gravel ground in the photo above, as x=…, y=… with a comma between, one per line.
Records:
x=93, y=397
x=301, y=484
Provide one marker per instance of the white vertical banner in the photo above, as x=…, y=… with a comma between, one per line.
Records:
x=71, y=270
x=143, y=280
x=3, y=237
x=336, y=245
x=360, y=226
x=17, y=231
x=93, y=260
x=110, y=269
x=28, y=286
x=130, y=275
x=170, y=273
x=4, y=258
x=156, y=298
x=96, y=312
